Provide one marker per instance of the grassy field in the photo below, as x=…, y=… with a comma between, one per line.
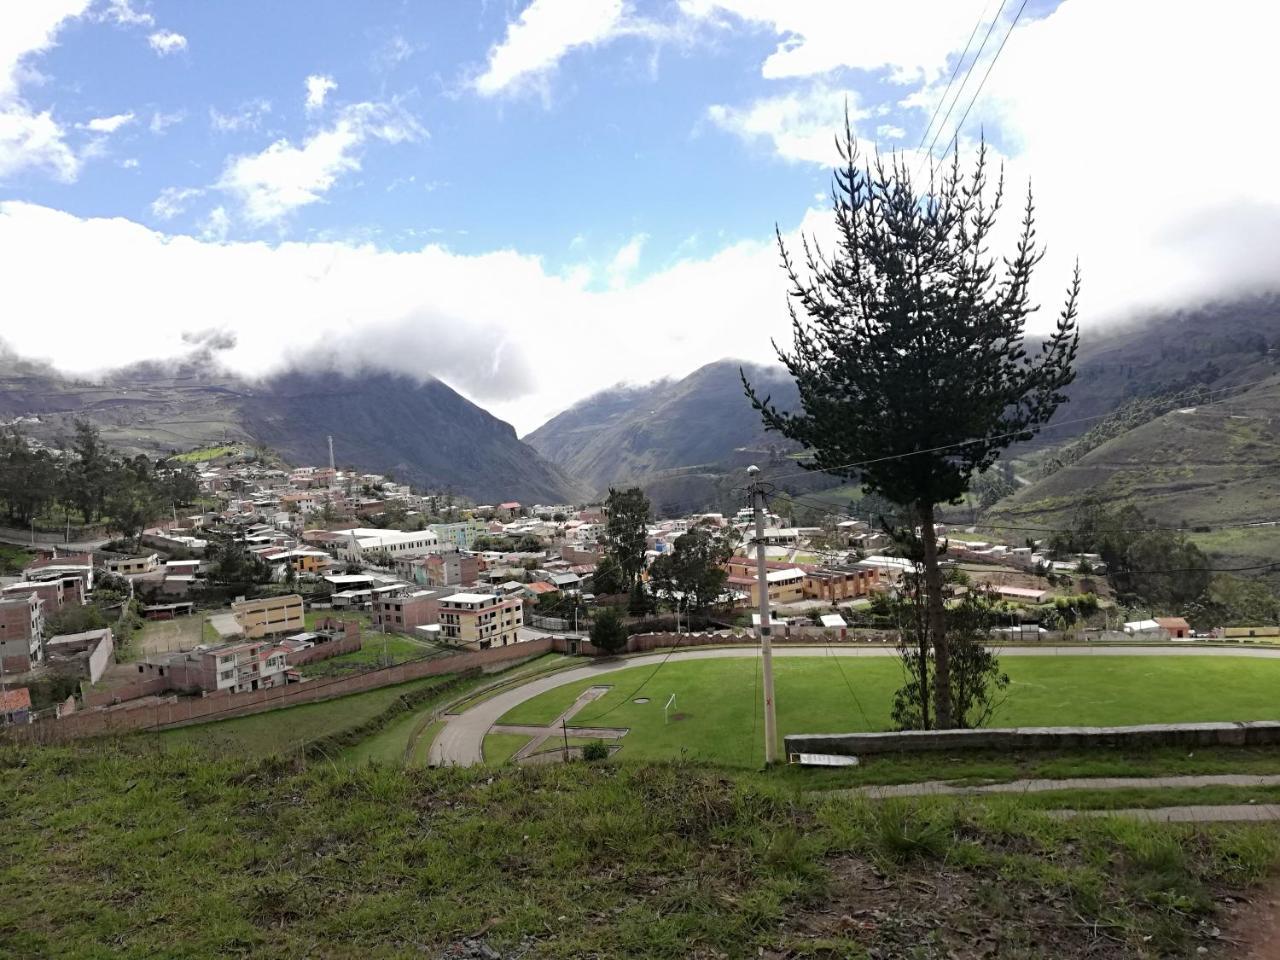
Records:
x=499, y=748
x=279, y=731
x=717, y=714
x=13, y=559
x=374, y=647
x=174, y=854
x=206, y=453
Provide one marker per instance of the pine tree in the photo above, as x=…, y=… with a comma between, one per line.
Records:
x=909, y=349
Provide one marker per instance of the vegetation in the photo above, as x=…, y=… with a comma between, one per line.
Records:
x=607, y=631
x=693, y=572
x=13, y=560
x=627, y=514
x=180, y=854
x=90, y=479
x=910, y=356
x=717, y=715
x=376, y=650
x=293, y=728
x=499, y=748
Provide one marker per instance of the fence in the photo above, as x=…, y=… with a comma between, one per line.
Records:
x=176, y=711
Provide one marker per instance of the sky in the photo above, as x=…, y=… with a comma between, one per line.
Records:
x=535, y=200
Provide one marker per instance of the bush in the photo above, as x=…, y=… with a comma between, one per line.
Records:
x=607, y=632
x=595, y=750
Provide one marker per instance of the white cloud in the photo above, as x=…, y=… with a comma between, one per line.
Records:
x=282, y=178
x=130, y=163
x=160, y=121
x=421, y=312
x=318, y=88
x=173, y=201
x=800, y=125
x=216, y=224
x=31, y=139
x=545, y=31
x=108, y=124
x=248, y=116
x=165, y=42
x=122, y=12
x=624, y=263
x=910, y=37
x=889, y=131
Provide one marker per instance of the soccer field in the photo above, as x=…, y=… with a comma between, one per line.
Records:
x=717, y=715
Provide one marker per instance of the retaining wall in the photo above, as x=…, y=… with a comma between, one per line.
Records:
x=1255, y=733
x=179, y=711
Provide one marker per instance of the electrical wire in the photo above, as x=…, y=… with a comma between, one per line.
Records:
x=582, y=722
x=983, y=82
x=959, y=63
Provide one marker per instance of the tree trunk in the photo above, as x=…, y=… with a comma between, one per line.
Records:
x=937, y=619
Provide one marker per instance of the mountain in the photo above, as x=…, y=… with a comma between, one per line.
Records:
x=1211, y=466
x=423, y=433
x=677, y=438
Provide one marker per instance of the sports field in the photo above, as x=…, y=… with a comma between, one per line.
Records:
x=717, y=713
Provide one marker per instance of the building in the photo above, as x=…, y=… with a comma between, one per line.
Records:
x=15, y=706
x=129, y=566
x=232, y=667
x=1241, y=633
x=86, y=655
x=462, y=534
x=51, y=592
x=362, y=541
x=1176, y=627
x=55, y=568
x=269, y=616
x=21, y=632
x=479, y=621
x=837, y=584
x=449, y=569
x=404, y=614
x=785, y=585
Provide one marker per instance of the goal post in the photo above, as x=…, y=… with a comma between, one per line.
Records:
x=666, y=711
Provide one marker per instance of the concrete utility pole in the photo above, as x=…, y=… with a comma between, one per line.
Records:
x=766, y=648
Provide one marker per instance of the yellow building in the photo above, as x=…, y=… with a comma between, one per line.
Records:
x=269, y=616
x=479, y=621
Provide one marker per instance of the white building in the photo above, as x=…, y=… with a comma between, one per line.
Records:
x=392, y=543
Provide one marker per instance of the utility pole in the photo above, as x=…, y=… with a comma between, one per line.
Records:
x=766, y=648
x=331, y=466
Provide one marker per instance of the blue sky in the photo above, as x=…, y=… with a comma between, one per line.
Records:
x=492, y=191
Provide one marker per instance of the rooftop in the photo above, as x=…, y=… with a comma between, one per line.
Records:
x=471, y=598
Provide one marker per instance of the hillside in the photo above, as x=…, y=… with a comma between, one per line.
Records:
x=678, y=437
x=423, y=433
x=1213, y=465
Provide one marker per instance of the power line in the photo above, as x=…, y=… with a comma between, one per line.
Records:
x=952, y=79
x=632, y=695
x=983, y=82
x=1188, y=394
x=963, y=83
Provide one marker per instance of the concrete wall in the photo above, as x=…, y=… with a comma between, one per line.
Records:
x=181, y=711
x=324, y=651
x=1256, y=733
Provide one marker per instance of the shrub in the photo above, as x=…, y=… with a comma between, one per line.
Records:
x=595, y=750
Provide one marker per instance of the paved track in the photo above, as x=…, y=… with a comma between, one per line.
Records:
x=461, y=742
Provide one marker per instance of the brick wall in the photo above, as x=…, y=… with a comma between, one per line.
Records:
x=324, y=651
x=181, y=711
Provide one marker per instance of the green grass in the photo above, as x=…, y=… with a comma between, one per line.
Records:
x=499, y=748
x=721, y=719
x=373, y=648
x=206, y=453
x=14, y=559
x=133, y=853
x=280, y=731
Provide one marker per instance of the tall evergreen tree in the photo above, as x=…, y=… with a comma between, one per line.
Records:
x=909, y=348
x=627, y=515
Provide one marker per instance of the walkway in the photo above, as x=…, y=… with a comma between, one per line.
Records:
x=946, y=788
x=461, y=742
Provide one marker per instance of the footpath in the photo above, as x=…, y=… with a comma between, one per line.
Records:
x=1201, y=813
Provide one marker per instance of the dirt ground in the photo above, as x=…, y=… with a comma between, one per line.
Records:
x=170, y=636
x=1254, y=925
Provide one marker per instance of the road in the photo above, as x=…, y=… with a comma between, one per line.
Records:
x=461, y=742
